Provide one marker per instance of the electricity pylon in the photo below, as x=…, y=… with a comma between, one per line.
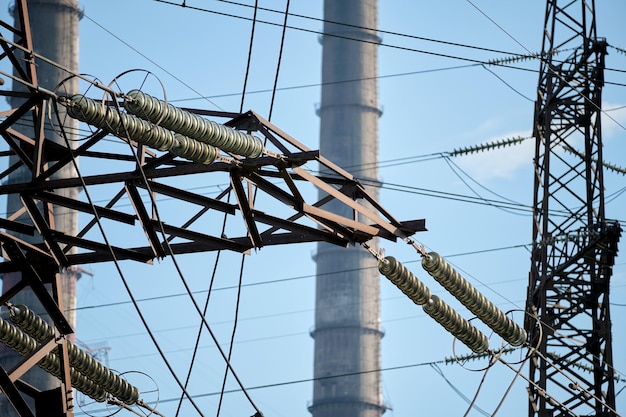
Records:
x=262, y=165
x=568, y=317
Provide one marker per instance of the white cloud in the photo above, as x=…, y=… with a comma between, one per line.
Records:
x=613, y=120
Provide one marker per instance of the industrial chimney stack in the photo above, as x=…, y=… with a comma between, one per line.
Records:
x=54, y=28
x=347, y=313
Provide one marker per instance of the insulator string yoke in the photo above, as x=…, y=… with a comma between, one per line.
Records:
x=119, y=123
x=25, y=345
x=471, y=298
x=191, y=125
x=80, y=360
x=134, y=128
x=404, y=279
x=455, y=324
x=419, y=293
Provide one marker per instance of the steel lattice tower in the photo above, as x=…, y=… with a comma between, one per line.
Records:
x=568, y=317
x=347, y=331
x=346, y=215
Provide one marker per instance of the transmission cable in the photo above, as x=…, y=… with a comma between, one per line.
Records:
x=384, y=32
x=280, y=56
x=454, y=167
x=492, y=361
x=245, y=79
x=117, y=265
x=204, y=311
x=288, y=279
x=437, y=369
x=181, y=275
x=499, y=27
x=153, y=62
x=317, y=32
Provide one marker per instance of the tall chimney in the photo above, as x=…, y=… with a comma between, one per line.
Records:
x=54, y=28
x=347, y=311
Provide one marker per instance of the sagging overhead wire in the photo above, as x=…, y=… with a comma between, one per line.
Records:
x=317, y=32
x=119, y=269
x=276, y=281
x=344, y=24
x=187, y=85
x=455, y=169
x=140, y=314
x=204, y=312
x=184, y=281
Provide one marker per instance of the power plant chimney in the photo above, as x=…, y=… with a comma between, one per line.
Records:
x=54, y=28
x=347, y=311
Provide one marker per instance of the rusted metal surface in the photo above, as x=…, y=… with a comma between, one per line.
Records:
x=144, y=178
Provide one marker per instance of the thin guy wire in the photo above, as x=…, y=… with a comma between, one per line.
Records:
x=499, y=27
x=280, y=56
x=152, y=62
x=232, y=336
x=204, y=311
x=450, y=163
x=182, y=278
x=508, y=390
x=480, y=385
x=245, y=80
x=385, y=32
x=507, y=84
x=118, y=267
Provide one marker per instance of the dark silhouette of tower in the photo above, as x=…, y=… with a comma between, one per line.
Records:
x=347, y=330
x=568, y=318
x=54, y=29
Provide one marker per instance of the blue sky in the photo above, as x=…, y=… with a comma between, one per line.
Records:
x=431, y=105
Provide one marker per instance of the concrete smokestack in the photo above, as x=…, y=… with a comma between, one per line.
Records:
x=54, y=28
x=347, y=313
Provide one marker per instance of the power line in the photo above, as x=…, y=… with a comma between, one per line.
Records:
x=288, y=279
x=120, y=272
x=317, y=32
x=343, y=24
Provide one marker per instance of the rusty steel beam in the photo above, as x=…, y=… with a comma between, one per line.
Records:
x=278, y=175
